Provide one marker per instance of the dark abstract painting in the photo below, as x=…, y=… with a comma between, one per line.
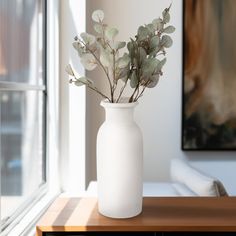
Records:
x=209, y=75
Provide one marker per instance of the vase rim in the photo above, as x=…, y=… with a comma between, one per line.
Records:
x=105, y=103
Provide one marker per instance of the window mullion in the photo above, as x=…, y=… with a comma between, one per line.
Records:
x=14, y=86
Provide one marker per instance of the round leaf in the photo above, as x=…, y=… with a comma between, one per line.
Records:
x=119, y=45
x=78, y=47
x=150, y=28
x=105, y=58
x=111, y=33
x=98, y=15
x=123, y=61
x=169, y=29
x=142, y=33
x=158, y=24
x=149, y=66
x=98, y=28
x=153, y=81
x=154, y=42
x=88, y=61
x=166, y=41
x=88, y=38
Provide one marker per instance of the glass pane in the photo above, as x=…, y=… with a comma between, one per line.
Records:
x=21, y=41
x=21, y=147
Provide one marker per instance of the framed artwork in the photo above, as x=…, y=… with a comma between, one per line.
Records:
x=209, y=75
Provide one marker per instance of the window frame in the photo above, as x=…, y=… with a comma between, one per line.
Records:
x=44, y=189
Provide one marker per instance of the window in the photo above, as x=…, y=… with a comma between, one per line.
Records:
x=22, y=104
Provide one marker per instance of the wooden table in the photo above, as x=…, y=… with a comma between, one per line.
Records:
x=164, y=215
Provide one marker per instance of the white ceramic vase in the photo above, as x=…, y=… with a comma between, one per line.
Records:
x=119, y=162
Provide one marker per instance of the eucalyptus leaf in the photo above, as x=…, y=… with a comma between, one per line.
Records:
x=98, y=15
x=166, y=41
x=133, y=80
x=161, y=64
x=69, y=70
x=153, y=81
x=88, y=38
x=166, y=15
x=111, y=33
x=78, y=83
x=123, y=73
x=98, y=28
x=149, y=66
x=158, y=24
x=88, y=61
x=151, y=28
x=79, y=48
x=154, y=42
x=142, y=54
x=105, y=58
x=119, y=45
x=123, y=61
x=142, y=33
x=169, y=29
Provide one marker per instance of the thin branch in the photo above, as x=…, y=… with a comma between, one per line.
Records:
x=121, y=91
x=97, y=59
x=132, y=96
x=140, y=95
x=92, y=88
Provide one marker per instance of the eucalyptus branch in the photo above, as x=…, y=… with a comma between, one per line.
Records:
x=92, y=88
x=122, y=90
x=135, y=90
x=99, y=62
x=150, y=42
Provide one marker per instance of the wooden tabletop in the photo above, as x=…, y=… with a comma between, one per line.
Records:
x=160, y=214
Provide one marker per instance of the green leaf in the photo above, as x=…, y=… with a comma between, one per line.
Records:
x=119, y=45
x=88, y=38
x=169, y=29
x=166, y=41
x=98, y=28
x=78, y=47
x=149, y=66
x=105, y=58
x=123, y=61
x=166, y=16
x=161, y=64
x=83, y=81
x=142, y=33
x=142, y=54
x=151, y=28
x=98, y=15
x=158, y=24
x=133, y=80
x=153, y=81
x=154, y=42
x=88, y=61
x=111, y=33
x=69, y=70
x=123, y=73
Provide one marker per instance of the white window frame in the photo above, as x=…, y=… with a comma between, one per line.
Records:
x=25, y=222
x=72, y=101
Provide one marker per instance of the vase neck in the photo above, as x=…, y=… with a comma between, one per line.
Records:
x=119, y=114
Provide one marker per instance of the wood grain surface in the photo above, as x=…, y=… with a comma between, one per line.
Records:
x=160, y=214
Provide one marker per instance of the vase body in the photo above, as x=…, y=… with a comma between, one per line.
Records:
x=119, y=162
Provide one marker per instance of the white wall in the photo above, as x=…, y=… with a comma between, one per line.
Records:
x=159, y=111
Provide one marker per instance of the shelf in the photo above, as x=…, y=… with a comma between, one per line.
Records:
x=160, y=214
